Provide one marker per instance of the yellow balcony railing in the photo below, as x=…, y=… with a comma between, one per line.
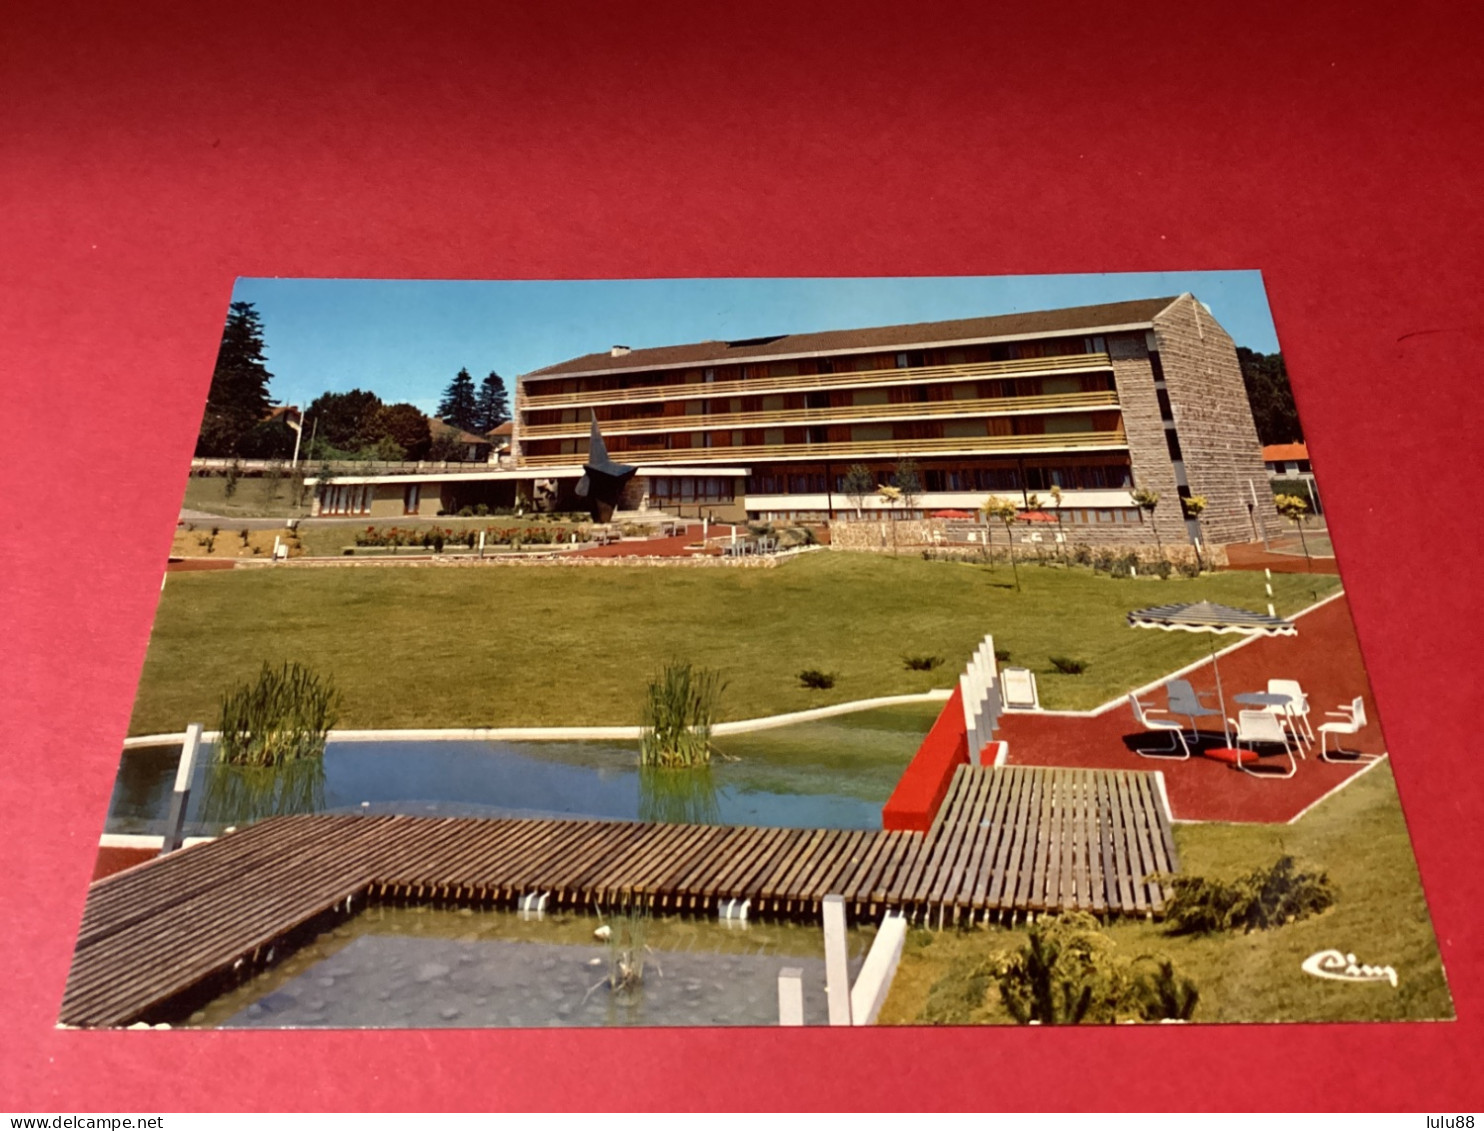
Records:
x=944, y=445
x=785, y=418
x=757, y=386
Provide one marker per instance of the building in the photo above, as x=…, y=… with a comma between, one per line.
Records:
x=1287, y=461
x=1094, y=400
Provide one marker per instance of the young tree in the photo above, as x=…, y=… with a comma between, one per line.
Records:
x=491, y=406
x=238, y=399
x=858, y=483
x=1195, y=506
x=1146, y=500
x=1006, y=512
x=459, y=405
x=1061, y=538
x=908, y=480
x=1294, y=508
x=891, y=496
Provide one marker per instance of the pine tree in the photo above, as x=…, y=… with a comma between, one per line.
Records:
x=238, y=399
x=493, y=407
x=459, y=405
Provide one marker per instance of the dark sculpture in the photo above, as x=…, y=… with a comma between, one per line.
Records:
x=603, y=482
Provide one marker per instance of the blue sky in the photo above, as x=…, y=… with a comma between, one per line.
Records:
x=406, y=339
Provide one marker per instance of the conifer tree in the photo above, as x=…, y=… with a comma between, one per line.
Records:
x=492, y=408
x=459, y=405
x=238, y=400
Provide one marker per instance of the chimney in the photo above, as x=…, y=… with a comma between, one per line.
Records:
x=618, y=351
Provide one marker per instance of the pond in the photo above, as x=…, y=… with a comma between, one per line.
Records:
x=426, y=968
x=834, y=773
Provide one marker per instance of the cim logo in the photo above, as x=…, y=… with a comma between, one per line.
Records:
x=1342, y=967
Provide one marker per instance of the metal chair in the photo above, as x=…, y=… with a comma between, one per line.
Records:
x=1297, y=709
x=1259, y=726
x=1178, y=750
x=1350, y=720
x=1182, y=699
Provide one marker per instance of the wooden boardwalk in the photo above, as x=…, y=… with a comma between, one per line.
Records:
x=1006, y=841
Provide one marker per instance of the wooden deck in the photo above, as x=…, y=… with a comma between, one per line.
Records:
x=1006, y=841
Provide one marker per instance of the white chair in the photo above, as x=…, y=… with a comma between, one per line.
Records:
x=1296, y=711
x=1178, y=750
x=1253, y=727
x=1349, y=720
x=1182, y=699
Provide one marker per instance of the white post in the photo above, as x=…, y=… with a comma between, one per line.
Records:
x=175, y=821
x=705, y=527
x=836, y=963
x=791, y=996
x=481, y=543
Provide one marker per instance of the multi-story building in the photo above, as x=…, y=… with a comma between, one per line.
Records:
x=1095, y=400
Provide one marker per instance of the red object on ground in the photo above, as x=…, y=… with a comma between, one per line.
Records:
x=950, y=514
x=1251, y=555
x=913, y=804
x=1231, y=755
x=1325, y=659
x=111, y=860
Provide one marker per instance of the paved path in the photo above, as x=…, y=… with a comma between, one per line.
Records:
x=1324, y=657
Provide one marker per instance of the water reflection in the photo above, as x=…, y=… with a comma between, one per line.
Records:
x=244, y=794
x=682, y=796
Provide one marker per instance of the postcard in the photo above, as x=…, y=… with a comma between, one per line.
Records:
x=678, y=652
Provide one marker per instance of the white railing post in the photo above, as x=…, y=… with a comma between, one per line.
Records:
x=836, y=960
x=175, y=820
x=791, y=996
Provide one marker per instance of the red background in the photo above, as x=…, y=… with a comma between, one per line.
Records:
x=155, y=150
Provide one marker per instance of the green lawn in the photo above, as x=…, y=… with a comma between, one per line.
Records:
x=433, y=647
x=1358, y=837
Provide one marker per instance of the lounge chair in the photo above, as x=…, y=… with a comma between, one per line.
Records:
x=1178, y=749
x=1349, y=720
x=1260, y=726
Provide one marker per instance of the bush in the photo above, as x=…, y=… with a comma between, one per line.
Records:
x=482, y=510
x=1258, y=901
x=282, y=717
x=1002, y=655
x=1068, y=666
x=1163, y=569
x=1103, y=561
x=1188, y=568
x=816, y=680
x=678, y=711
x=1067, y=973
x=921, y=663
x=1082, y=555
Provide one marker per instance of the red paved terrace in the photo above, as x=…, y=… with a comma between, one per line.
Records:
x=681, y=546
x=1324, y=657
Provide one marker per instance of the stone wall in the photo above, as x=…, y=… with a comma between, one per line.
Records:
x=1148, y=452
x=1213, y=418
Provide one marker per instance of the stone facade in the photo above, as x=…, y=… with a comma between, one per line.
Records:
x=1144, y=426
x=1213, y=420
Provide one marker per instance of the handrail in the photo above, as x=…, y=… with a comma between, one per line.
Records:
x=967, y=445
x=988, y=406
x=804, y=382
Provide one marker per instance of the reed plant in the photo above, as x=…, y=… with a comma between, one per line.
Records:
x=685, y=796
x=283, y=717
x=242, y=795
x=679, y=708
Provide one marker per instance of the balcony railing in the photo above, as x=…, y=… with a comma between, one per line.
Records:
x=756, y=386
x=784, y=418
x=946, y=445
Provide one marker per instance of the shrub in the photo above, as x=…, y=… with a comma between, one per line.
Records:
x=1163, y=569
x=816, y=680
x=1188, y=568
x=678, y=711
x=466, y=512
x=921, y=663
x=282, y=717
x=1067, y=973
x=1002, y=655
x=1103, y=561
x=1068, y=666
x=1258, y=901
x=1082, y=555
x=481, y=510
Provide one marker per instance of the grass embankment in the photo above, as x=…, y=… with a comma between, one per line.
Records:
x=1358, y=837
x=253, y=497
x=564, y=646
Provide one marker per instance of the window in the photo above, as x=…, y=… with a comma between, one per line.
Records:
x=1172, y=441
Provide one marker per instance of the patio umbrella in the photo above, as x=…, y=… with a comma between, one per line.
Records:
x=1218, y=620
x=1035, y=516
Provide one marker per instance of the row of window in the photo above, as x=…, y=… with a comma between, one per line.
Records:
x=1069, y=477
x=671, y=489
